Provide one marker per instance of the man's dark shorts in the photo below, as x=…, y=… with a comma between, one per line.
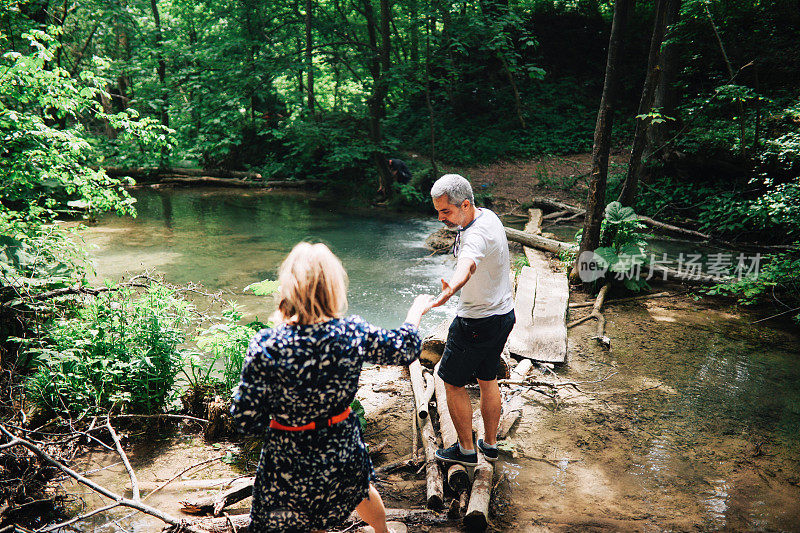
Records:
x=473, y=347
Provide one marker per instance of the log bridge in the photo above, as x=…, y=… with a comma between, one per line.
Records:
x=540, y=335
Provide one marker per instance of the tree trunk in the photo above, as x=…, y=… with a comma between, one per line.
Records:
x=431, y=23
x=124, y=83
x=162, y=66
x=413, y=29
x=379, y=66
x=309, y=57
x=629, y=189
x=595, y=202
x=666, y=92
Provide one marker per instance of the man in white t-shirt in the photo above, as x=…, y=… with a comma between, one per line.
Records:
x=484, y=318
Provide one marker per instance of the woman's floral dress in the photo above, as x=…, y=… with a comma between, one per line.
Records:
x=295, y=374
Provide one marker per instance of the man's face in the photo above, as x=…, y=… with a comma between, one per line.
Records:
x=451, y=215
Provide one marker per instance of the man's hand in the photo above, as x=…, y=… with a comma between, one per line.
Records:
x=447, y=292
x=464, y=270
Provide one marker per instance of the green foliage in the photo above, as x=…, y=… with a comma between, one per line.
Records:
x=778, y=278
x=120, y=349
x=358, y=409
x=46, y=149
x=623, y=245
x=519, y=262
x=46, y=167
x=224, y=343
x=263, y=288
x=773, y=214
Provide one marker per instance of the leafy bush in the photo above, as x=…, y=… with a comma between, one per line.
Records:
x=623, y=245
x=778, y=277
x=119, y=349
x=222, y=344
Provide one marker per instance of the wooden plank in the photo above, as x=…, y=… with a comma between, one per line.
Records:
x=521, y=336
x=534, y=224
x=541, y=307
x=550, y=319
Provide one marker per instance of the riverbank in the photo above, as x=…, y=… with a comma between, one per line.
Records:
x=689, y=423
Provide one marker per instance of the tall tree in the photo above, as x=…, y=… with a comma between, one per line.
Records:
x=628, y=194
x=309, y=56
x=666, y=92
x=595, y=200
x=379, y=68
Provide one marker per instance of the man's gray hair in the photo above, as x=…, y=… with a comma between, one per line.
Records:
x=455, y=186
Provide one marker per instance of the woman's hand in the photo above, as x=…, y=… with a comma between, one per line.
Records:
x=422, y=304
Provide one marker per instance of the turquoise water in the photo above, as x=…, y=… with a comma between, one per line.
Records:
x=226, y=240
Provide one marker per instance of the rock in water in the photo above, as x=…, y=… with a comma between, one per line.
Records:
x=441, y=241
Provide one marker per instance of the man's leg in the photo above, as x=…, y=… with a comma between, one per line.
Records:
x=460, y=408
x=491, y=407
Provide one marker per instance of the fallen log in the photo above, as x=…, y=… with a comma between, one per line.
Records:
x=418, y=388
x=555, y=215
x=554, y=205
x=208, y=181
x=477, y=515
x=155, y=173
x=512, y=411
x=521, y=370
x=215, y=503
x=534, y=224
x=539, y=242
x=597, y=313
x=458, y=506
x=434, y=484
x=430, y=390
x=457, y=477
x=620, y=300
x=433, y=345
x=294, y=184
x=434, y=489
x=663, y=227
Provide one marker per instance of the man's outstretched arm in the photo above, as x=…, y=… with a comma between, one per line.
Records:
x=464, y=270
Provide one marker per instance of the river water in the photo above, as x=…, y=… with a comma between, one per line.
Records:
x=698, y=430
x=226, y=240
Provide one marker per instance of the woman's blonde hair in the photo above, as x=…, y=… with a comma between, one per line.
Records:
x=313, y=285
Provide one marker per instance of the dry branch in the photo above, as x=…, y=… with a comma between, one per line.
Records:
x=120, y=500
x=620, y=300
x=124, y=457
x=597, y=313
x=216, y=503
x=537, y=241
x=512, y=410
x=154, y=173
x=434, y=486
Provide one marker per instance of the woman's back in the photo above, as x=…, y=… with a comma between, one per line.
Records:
x=296, y=374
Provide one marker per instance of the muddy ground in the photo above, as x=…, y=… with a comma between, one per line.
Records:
x=612, y=457
x=638, y=448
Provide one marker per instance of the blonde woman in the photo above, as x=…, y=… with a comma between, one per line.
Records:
x=298, y=381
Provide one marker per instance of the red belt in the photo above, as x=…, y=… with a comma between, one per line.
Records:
x=326, y=422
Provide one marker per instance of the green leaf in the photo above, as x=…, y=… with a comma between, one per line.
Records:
x=617, y=214
x=263, y=288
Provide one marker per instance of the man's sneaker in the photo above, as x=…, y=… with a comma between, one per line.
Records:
x=453, y=455
x=490, y=454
